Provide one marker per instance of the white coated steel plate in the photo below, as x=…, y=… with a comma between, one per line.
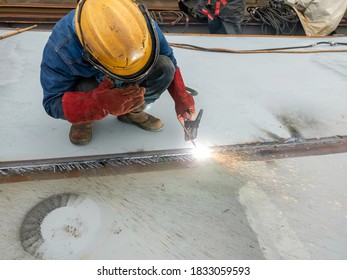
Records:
x=246, y=98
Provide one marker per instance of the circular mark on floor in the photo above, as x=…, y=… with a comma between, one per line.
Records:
x=60, y=227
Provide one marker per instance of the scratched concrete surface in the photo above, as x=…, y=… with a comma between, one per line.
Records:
x=182, y=214
x=220, y=209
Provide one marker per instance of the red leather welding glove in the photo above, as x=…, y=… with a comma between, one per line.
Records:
x=184, y=103
x=80, y=107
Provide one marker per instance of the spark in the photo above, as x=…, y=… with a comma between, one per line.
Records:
x=201, y=152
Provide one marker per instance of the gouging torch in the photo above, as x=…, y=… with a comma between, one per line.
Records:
x=191, y=128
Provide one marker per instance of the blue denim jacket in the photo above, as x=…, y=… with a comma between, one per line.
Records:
x=62, y=64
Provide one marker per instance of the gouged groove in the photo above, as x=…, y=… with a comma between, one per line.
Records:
x=249, y=152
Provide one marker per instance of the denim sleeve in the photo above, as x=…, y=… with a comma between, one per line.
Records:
x=56, y=78
x=165, y=48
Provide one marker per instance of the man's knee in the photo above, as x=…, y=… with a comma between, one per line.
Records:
x=167, y=69
x=160, y=79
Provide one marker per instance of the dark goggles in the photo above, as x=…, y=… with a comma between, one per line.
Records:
x=139, y=76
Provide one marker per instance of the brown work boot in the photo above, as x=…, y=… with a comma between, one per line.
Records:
x=81, y=134
x=142, y=119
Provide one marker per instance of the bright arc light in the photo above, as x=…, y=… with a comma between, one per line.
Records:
x=201, y=152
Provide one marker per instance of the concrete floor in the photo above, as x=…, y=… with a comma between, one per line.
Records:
x=221, y=208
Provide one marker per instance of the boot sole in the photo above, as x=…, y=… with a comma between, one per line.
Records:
x=79, y=142
x=126, y=120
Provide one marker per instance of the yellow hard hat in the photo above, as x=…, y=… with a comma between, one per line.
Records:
x=118, y=37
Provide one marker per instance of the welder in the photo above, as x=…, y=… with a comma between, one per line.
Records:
x=108, y=57
x=223, y=16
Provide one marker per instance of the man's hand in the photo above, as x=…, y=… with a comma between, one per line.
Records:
x=119, y=101
x=184, y=103
x=96, y=104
